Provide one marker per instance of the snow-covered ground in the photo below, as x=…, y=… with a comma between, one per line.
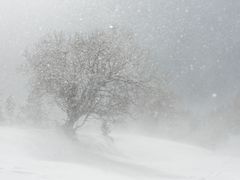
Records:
x=28, y=154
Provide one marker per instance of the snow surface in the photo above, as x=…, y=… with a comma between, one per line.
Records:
x=30, y=154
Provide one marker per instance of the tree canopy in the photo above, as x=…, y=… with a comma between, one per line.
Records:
x=100, y=74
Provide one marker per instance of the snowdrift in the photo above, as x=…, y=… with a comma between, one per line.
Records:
x=32, y=154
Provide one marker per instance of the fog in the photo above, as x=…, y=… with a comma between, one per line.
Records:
x=193, y=43
x=196, y=41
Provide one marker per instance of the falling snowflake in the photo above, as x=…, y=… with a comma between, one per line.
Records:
x=214, y=95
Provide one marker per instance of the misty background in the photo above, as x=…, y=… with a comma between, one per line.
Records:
x=189, y=130
x=195, y=42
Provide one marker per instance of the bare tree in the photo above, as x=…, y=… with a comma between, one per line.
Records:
x=2, y=119
x=97, y=75
x=10, y=106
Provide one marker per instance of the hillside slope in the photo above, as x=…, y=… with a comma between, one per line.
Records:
x=30, y=154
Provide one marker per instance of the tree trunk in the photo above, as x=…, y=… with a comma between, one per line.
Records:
x=105, y=127
x=68, y=127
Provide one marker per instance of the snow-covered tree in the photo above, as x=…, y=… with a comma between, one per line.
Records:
x=98, y=75
x=10, y=106
x=1, y=116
